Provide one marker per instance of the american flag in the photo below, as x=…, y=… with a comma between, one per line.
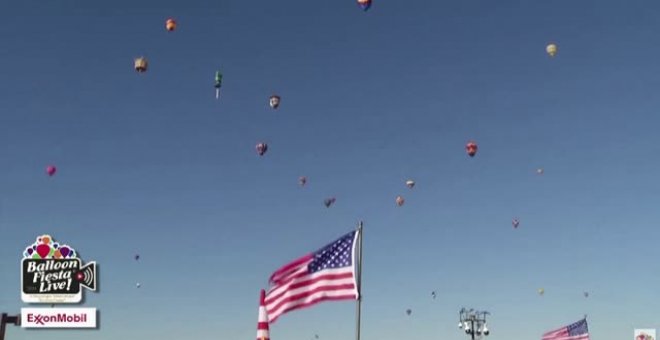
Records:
x=327, y=274
x=576, y=331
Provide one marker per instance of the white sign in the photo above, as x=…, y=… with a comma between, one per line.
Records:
x=645, y=334
x=58, y=317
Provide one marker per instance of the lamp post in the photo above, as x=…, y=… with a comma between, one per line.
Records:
x=5, y=320
x=473, y=322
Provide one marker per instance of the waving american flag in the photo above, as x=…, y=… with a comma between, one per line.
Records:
x=325, y=275
x=575, y=331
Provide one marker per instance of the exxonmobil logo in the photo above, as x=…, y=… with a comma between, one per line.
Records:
x=58, y=317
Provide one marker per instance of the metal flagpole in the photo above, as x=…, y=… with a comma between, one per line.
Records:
x=359, y=283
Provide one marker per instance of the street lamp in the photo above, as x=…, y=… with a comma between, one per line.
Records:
x=473, y=322
x=6, y=320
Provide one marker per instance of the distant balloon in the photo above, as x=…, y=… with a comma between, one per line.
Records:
x=217, y=83
x=539, y=171
x=408, y=311
x=586, y=294
x=364, y=4
x=316, y=336
x=140, y=64
x=471, y=148
x=515, y=222
x=137, y=257
x=274, y=101
x=170, y=24
x=50, y=170
x=541, y=291
x=400, y=200
x=302, y=180
x=410, y=183
x=551, y=49
x=433, y=294
x=261, y=148
x=138, y=285
x=329, y=201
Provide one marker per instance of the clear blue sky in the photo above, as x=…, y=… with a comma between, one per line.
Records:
x=153, y=164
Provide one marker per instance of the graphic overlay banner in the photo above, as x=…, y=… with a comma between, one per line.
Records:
x=58, y=317
x=53, y=273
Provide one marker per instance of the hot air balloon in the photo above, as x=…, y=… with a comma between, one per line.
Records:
x=137, y=257
x=551, y=49
x=261, y=148
x=218, y=83
x=515, y=222
x=586, y=294
x=364, y=4
x=302, y=180
x=329, y=201
x=410, y=183
x=141, y=64
x=400, y=200
x=50, y=170
x=408, y=311
x=471, y=148
x=433, y=294
x=138, y=285
x=170, y=24
x=274, y=101
x=541, y=291
x=539, y=171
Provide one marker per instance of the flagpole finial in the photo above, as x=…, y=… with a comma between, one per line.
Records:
x=262, y=298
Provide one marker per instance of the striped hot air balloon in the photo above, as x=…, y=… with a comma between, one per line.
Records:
x=263, y=332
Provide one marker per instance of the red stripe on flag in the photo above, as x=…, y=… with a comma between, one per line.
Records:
x=286, y=269
x=262, y=325
x=313, y=302
x=307, y=293
x=304, y=283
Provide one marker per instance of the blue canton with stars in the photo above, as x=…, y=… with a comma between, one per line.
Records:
x=338, y=254
x=578, y=328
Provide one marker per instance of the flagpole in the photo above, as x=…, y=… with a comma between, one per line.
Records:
x=359, y=284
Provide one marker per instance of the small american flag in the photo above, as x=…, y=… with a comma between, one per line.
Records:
x=576, y=331
x=325, y=275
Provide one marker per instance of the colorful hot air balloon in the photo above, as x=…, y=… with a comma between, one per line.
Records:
x=261, y=148
x=170, y=25
x=329, y=201
x=141, y=64
x=471, y=148
x=515, y=223
x=50, y=170
x=541, y=291
x=302, y=180
x=551, y=49
x=400, y=200
x=218, y=83
x=274, y=101
x=410, y=183
x=364, y=4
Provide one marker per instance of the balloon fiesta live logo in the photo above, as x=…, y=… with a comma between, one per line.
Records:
x=52, y=273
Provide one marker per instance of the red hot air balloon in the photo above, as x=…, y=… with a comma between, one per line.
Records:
x=471, y=148
x=50, y=170
x=261, y=148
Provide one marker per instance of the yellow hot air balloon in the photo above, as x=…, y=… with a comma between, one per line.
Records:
x=551, y=49
x=541, y=291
